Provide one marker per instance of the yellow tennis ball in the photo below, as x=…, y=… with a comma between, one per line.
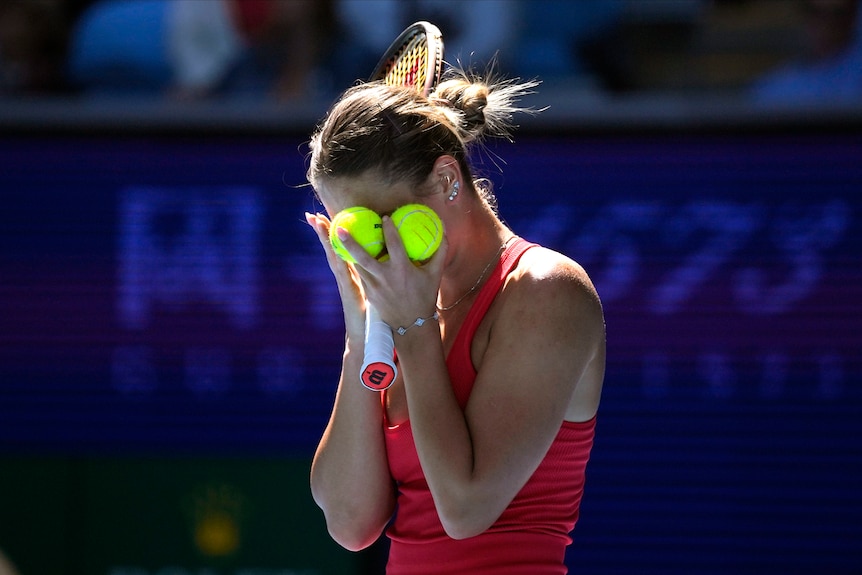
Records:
x=364, y=225
x=420, y=229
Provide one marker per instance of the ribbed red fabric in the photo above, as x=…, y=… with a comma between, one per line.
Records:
x=531, y=535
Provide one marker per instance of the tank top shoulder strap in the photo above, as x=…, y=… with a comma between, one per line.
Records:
x=459, y=362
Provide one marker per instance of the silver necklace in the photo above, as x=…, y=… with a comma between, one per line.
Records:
x=478, y=281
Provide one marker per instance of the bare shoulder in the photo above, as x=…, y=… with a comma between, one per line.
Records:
x=545, y=278
x=548, y=321
x=553, y=293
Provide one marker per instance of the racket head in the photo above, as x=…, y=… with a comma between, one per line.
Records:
x=414, y=59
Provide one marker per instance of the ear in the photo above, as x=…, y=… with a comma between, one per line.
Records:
x=445, y=173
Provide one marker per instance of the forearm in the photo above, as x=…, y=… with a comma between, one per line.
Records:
x=350, y=478
x=442, y=437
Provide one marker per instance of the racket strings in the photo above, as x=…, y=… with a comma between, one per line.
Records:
x=416, y=64
x=410, y=67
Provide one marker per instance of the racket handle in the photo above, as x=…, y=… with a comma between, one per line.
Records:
x=378, y=367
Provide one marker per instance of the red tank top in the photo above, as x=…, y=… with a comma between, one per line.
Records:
x=531, y=535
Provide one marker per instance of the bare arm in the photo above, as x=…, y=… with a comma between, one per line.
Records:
x=546, y=335
x=350, y=478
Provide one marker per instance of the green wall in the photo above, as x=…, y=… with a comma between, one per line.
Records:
x=164, y=516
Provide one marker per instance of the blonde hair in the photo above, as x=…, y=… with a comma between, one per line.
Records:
x=399, y=133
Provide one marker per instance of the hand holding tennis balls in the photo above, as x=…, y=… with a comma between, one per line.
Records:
x=364, y=225
x=419, y=227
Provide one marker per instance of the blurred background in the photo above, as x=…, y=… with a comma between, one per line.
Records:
x=170, y=336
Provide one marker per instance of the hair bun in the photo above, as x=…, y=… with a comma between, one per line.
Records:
x=470, y=99
x=486, y=107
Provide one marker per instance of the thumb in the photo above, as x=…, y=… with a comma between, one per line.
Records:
x=438, y=260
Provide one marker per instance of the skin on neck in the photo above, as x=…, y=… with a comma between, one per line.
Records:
x=475, y=235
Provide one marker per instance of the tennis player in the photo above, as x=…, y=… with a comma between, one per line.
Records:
x=474, y=460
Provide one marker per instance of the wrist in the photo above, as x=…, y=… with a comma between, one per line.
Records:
x=417, y=323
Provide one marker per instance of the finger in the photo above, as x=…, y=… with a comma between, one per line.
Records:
x=319, y=224
x=438, y=260
x=394, y=245
x=346, y=275
x=362, y=257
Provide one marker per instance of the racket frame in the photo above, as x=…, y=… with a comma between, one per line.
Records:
x=433, y=56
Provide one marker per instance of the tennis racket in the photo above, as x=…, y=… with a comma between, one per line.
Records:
x=414, y=59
